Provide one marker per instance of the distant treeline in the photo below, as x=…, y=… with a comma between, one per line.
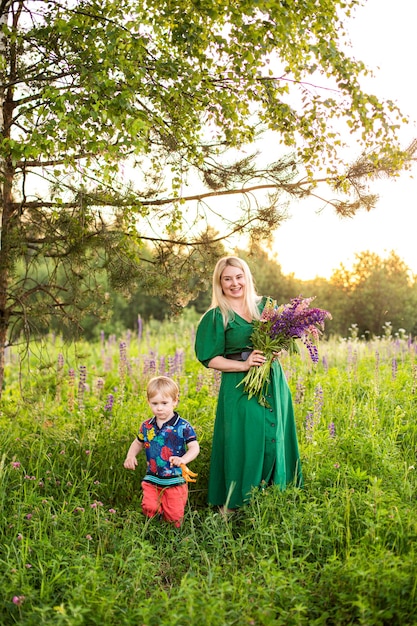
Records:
x=376, y=296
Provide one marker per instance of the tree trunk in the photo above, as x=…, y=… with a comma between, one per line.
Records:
x=7, y=173
x=5, y=261
x=3, y=278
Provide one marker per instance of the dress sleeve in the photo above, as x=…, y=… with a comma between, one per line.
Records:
x=210, y=337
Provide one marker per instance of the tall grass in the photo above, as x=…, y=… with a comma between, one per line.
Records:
x=75, y=548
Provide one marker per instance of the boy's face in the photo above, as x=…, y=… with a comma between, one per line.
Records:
x=162, y=406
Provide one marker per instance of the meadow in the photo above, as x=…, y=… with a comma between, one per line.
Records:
x=76, y=550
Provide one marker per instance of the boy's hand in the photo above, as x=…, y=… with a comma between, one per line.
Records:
x=175, y=461
x=130, y=463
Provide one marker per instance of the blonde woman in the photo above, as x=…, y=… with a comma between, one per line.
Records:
x=252, y=445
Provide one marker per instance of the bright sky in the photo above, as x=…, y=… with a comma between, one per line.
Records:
x=312, y=243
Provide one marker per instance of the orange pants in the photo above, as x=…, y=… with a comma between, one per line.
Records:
x=168, y=501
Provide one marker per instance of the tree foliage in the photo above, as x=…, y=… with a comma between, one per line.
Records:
x=374, y=294
x=376, y=291
x=113, y=113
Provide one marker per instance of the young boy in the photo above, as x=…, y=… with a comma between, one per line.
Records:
x=169, y=442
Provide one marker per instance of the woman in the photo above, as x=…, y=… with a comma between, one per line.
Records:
x=252, y=445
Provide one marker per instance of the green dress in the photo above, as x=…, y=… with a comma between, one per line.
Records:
x=252, y=445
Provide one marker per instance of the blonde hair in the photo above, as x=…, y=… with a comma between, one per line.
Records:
x=163, y=385
x=218, y=298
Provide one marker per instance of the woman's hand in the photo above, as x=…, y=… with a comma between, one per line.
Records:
x=222, y=364
x=255, y=359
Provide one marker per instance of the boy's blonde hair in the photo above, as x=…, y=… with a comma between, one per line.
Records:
x=163, y=385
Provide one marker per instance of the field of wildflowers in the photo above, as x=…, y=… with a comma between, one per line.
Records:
x=76, y=550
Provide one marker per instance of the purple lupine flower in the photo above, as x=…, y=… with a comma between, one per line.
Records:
x=352, y=357
x=200, y=382
x=299, y=392
x=123, y=359
x=99, y=385
x=109, y=404
x=71, y=383
x=83, y=373
x=318, y=401
x=162, y=365
x=215, y=382
x=295, y=320
x=309, y=425
x=278, y=329
x=177, y=363
x=60, y=374
x=150, y=364
x=394, y=367
x=332, y=430
x=82, y=386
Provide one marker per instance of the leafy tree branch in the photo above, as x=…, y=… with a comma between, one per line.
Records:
x=123, y=124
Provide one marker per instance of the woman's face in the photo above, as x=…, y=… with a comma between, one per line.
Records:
x=233, y=282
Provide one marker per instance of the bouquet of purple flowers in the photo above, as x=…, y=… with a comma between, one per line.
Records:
x=278, y=329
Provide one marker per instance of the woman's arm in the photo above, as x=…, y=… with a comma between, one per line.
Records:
x=222, y=364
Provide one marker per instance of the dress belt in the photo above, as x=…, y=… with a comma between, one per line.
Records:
x=239, y=356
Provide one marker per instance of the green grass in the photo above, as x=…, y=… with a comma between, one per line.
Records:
x=76, y=550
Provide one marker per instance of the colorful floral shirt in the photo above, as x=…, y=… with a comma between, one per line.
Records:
x=160, y=444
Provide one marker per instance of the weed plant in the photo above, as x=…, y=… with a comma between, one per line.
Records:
x=76, y=550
